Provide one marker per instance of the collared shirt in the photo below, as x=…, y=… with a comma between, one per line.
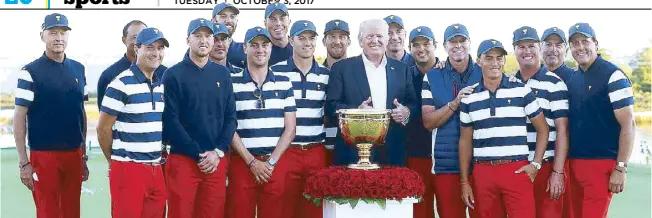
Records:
x=419, y=138
x=280, y=54
x=594, y=94
x=552, y=96
x=112, y=71
x=233, y=69
x=310, y=96
x=236, y=55
x=138, y=105
x=564, y=72
x=499, y=120
x=54, y=94
x=331, y=128
x=199, y=111
x=260, y=128
x=408, y=60
x=377, y=78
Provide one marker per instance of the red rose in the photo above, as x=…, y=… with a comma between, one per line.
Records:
x=356, y=193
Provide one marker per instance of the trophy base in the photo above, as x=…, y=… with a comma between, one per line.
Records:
x=364, y=166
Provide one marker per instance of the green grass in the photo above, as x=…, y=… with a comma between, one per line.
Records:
x=16, y=201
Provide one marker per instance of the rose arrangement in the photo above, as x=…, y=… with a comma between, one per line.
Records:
x=343, y=185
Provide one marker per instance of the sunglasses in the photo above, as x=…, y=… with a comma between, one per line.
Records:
x=260, y=104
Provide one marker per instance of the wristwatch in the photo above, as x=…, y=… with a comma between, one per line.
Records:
x=536, y=165
x=220, y=153
x=272, y=161
x=622, y=164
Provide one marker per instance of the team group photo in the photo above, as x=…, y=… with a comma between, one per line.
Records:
x=242, y=113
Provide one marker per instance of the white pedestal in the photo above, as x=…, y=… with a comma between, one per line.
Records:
x=363, y=210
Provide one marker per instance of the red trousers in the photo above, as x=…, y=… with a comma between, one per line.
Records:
x=57, y=186
x=498, y=190
x=246, y=199
x=137, y=190
x=567, y=208
x=301, y=164
x=425, y=208
x=545, y=206
x=590, y=187
x=191, y=193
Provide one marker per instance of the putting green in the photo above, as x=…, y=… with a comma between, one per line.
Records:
x=16, y=201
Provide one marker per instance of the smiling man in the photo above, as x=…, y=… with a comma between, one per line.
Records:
x=221, y=48
x=602, y=124
x=552, y=95
x=199, y=133
x=130, y=131
x=396, y=44
x=554, y=49
x=49, y=110
x=494, y=136
x=227, y=14
x=277, y=22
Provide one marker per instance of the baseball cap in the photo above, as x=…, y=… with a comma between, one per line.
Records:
x=422, y=31
x=220, y=28
x=221, y=6
x=256, y=31
x=455, y=30
x=394, y=19
x=583, y=28
x=274, y=7
x=301, y=26
x=198, y=23
x=150, y=35
x=337, y=25
x=489, y=44
x=554, y=30
x=525, y=33
x=55, y=20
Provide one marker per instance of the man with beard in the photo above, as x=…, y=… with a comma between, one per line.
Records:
x=49, y=101
x=129, y=132
x=494, y=135
x=277, y=21
x=307, y=152
x=552, y=96
x=199, y=133
x=422, y=45
x=372, y=80
x=227, y=14
x=337, y=41
x=442, y=92
x=554, y=48
x=266, y=113
x=602, y=124
x=221, y=48
x=395, y=46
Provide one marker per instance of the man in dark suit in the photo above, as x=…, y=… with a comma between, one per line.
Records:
x=371, y=80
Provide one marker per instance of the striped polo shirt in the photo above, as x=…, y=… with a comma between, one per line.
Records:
x=261, y=121
x=310, y=96
x=138, y=105
x=499, y=120
x=552, y=96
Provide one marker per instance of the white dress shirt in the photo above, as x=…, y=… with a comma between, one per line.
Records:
x=377, y=79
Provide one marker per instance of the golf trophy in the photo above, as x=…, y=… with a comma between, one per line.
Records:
x=364, y=128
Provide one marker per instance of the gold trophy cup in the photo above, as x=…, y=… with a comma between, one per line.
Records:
x=364, y=128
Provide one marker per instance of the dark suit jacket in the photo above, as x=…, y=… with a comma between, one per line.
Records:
x=348, y=87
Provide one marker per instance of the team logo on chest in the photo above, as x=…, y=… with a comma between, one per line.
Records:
x=218, y=84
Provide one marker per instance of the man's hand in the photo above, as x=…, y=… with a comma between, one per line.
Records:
x=617, y=181
x=85, y=171
x=467, y=195
x=530, y=170
x=365, y=104
x=555, y=185
x=26, y=178
x=400, y=113
x=463, y=93
x=262, y=171
x=513, y=79
x=440, y=65
x=208, y=162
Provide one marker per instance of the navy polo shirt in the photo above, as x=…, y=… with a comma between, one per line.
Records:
x=564, y=72
x=238, y=58
x=261, y=111
x=408, y=60
x=137, y=104
x=419, y=138
x=499, y=120
x=280, y=54
x=552, y=96
x=594, y=94
x=54, y=94
x=233, y=69
x=199, y=111
x=310, y=97
x=112, y=72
